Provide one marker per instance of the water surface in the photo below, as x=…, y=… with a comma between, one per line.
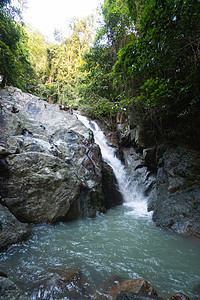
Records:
x=118, y=243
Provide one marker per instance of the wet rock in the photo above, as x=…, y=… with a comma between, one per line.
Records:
x=112, y=196
x=11, y=230
x=9, y=290
x=102, y=291
x=179, y=296
x=61, y=283
x=51, y=169
x=2, y=274
x=176, y=198
x=136, y=135
x=138, y=286
x=149, y=155
x=134, y=296
x=138, y=172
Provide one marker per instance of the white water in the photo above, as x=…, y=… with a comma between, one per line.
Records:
x=132, y=196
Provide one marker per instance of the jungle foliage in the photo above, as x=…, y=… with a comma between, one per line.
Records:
x=15, y=66
x=144, y=61
x=57, y=65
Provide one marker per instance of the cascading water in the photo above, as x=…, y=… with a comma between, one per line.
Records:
x=131, y=194
x=124, y=242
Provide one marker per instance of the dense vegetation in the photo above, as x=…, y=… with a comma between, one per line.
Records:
x=15, y=65
x=144, y=61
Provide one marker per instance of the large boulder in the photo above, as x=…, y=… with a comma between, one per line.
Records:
x=176, y=197
x=112, y=196
x=138, y=286
x=11, y=230
x=51, y=168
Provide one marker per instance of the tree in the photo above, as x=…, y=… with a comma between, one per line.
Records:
x=4, y=3
x=116, y=31
x=62, y=61
x=37, y=47
x=163, y=64
x=15, y=67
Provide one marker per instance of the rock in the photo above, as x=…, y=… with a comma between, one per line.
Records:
x=112, y=196
x=2, y=274
x=61, y=283
x=138, y=286
x=179, y=296
x=9, y=290
x=149, y=155
x=152, y=199
x=138, y=172
x=134, y=296
x=51, y=169
x=144, y=138
x=44, y=186
x=102, y=291
x=177, y=187
x=11, y=230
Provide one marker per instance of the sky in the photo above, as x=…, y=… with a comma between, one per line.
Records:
x=47, y=15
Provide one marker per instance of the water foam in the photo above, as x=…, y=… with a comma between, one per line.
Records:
x=133, y=198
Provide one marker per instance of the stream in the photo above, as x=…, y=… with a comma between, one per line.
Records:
x=122, y=244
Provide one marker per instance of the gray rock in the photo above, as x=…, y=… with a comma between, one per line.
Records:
x=176, y=198
x=112, y=196
x=11, y=230
x=138, y=172
x=51, y=169
x=40, y=188
x=149, y=155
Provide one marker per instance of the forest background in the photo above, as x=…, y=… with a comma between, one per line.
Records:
x=144, y=62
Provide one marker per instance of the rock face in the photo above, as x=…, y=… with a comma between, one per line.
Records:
x=51, y=169
x=175, y=199
x=169, y=175
x=143, y=178
x=11, y=230
x=112, y=196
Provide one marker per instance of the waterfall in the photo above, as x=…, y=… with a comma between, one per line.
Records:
x=132, y=196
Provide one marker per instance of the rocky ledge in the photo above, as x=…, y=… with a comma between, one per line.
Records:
x=175, y=198
x=170, y=176
x=51, y=169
